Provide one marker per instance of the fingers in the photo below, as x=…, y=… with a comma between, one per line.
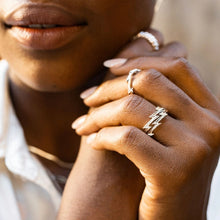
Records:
x=141, y=47
x=151, y=85
x=173, y=49
x=131, y=110
x=158, y=36
x=146, y=153
x=178, y=70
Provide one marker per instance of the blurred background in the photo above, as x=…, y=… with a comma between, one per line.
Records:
x=195, y=23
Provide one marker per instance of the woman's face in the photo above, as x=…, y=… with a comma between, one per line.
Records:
x=57, y=45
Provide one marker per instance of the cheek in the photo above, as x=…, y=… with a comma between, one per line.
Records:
x=115, y=22
x=121, y=19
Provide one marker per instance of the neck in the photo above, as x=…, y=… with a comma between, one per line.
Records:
x=46, y=119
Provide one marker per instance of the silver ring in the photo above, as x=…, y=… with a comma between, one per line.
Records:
x=129, y=80
x=155, y=119
x=150, y=38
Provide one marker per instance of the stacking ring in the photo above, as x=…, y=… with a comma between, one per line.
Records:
x=129, y=80
x=155, y=119
x=150, y=38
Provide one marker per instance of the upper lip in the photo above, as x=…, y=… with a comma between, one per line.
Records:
x=48, y=14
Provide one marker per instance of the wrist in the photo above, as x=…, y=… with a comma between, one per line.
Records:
x=186, y=206
x=102, y=184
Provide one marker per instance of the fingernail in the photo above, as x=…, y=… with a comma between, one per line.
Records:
x=114, y=62
x=85, y=94
x=78, y=122
x=90, y=139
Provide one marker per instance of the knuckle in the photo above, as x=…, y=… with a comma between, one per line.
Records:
x=146, y=78
x=211, y=127
x=181, y=63
x=100, y=139
x=152, y=75
x=183, y=67
x=179, y=49
x=138, y=61
x=101, y=134
x=201, y=151
x=131, y=103
x=215, y=129
x=183, y=99
x=128, y=136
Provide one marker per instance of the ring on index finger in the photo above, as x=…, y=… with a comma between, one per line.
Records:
x=129, y=80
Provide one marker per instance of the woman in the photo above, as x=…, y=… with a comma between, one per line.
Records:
x=55, y=50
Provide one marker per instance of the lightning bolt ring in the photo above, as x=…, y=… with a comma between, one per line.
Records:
x=154, y=121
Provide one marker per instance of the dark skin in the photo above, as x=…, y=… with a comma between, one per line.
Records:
x=112, y=187
x=61, y=71
x=54, y=95
x=110, y=175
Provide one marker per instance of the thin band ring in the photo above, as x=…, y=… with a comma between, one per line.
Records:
x=150, y=38
x=129, y=80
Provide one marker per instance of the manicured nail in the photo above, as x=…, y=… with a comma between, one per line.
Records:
x=114, y=62
x=78, y=122
x=85, y=94
x=91, y=138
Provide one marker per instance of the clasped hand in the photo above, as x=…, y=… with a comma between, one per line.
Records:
x=178, y=162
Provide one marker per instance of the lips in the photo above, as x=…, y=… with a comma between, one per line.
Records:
x=42, y=26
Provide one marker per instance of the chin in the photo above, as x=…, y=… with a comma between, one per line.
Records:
x=54, y=84
x=52, y=74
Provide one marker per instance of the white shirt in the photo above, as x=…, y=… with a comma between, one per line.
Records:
x=26, y=191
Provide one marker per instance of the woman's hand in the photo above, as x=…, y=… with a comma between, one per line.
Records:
x=105, y=184
x=178, y=163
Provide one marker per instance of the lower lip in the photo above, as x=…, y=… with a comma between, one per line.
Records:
x=45, y=39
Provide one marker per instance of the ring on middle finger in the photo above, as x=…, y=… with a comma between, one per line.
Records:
x=154, y=121
x=129, y=80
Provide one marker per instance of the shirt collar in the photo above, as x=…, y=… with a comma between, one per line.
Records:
x=13, y=146
x=3, y=106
